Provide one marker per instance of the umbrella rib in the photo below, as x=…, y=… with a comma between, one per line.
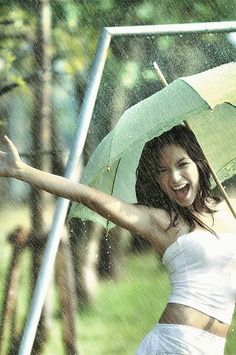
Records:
x=113, y=184
x=112, y=188
x=228, y=162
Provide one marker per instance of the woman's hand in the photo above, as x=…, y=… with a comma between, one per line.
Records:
x=10, y=161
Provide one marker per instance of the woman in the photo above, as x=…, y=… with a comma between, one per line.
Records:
x=192, y=231
x=198, y=246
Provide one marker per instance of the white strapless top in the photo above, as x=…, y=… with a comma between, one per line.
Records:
x=202, y=273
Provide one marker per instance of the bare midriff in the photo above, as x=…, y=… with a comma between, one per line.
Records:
x=175, y=313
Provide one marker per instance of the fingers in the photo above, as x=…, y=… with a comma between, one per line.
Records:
x=6, y=139
x=10, y=147
x=8, y=142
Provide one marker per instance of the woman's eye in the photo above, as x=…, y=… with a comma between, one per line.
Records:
x=181, y=165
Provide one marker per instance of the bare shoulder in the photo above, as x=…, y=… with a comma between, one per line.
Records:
x=225, y=206
x=233, y=202
x=224, y=219
x=222, y=205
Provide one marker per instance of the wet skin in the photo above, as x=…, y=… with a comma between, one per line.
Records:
x=178, y=177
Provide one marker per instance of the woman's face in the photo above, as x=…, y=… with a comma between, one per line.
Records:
x=178, y=175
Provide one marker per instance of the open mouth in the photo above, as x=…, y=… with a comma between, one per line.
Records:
x=182, y=192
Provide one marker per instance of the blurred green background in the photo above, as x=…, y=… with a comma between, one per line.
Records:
x=46, y=53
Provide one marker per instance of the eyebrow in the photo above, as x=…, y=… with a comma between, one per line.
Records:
x=179, y=161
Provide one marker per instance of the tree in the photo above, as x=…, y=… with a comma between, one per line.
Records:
x=40, y=135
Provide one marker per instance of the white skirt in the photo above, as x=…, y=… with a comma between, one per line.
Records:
x=175, y=339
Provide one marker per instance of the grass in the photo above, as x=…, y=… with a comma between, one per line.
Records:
x=122, y=313
x=126, y=310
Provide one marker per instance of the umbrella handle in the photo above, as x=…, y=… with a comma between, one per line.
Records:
x=214, y=175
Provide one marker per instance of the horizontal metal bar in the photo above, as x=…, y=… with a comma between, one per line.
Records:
x=171, y=29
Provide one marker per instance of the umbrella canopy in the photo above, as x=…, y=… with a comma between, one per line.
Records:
x=206, y=100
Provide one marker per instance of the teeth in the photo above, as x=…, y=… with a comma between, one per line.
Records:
x=179, y=187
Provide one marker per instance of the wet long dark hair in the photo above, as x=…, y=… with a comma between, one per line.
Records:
x=148, y=190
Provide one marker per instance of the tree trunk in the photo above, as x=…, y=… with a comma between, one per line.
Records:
x=80, y=236
x=40, y=141
x=67, y=294
x=110, y=255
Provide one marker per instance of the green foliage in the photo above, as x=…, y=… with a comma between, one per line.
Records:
x=76, y=26
x=15, y=34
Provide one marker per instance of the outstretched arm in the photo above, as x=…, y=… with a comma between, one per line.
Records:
x=137, y=219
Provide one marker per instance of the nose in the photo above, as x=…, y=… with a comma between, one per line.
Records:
x=174, y=176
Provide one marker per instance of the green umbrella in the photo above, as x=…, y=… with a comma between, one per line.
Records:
x=206, y=101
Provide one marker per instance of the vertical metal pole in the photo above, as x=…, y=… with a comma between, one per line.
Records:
x=46, y=269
